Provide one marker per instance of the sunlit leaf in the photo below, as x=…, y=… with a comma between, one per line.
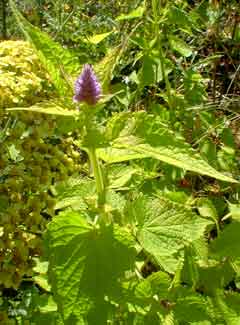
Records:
x=114, y=155
x=193, y=309
x=144, y=134
x=86, y=267
x=136, y=13
x=165, y=228
x=47, y=107
x=96, y=39
x=59, y=62
x=227, y=244
x=180, y=46
x=180, y=18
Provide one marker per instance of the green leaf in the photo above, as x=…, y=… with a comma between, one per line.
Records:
x=227, y=244
x=40, y=278
x=42, y=281
x=45, y=311
x=119, y=176
x=74, y=193
x=151, y=71
x=14, y=153
x=192, y=308
x=215, y=275
x=93, y=138
x=232, y=299
x=114, y=155
x=165, y=228
x=47, y=107
x=234, y=211
x=157, y=283
x=96, y=39
x=80, y=193
x=146, y=135
x=207, y=209
x=208, y=149
x=194, y=87
x=105, y=68
x=180, y=46
x=169, y=318
x=136, y=13
x=180, y=18
x=59, y=62
x=148, y=71
x=189, y=272
x=86, y=266
x=57, y=108
x=229, y=315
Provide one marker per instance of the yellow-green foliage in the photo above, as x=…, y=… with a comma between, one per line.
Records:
x=22, y=79
x=30, y=162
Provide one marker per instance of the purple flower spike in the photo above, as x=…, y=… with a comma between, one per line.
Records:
x=87, y=87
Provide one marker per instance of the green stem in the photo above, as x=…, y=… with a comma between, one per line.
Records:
x=155, y=5
x=98, y=176
x=105, y=216
x=165, y=77
x=217, y=227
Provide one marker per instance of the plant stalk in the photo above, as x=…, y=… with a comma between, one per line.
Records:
x=98, y=176
x=155, y=9
x=165, y=77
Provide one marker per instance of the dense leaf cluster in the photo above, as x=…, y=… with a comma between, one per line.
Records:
x=30, y=162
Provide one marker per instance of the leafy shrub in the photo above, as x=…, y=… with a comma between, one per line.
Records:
x=30, y=162
x=22, y=79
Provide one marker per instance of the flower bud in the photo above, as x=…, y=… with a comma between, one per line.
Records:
x=87, y=87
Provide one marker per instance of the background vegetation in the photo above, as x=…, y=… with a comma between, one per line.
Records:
x=172, y=73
